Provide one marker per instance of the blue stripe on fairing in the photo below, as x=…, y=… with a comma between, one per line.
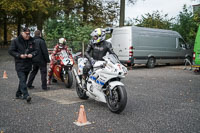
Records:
x=97, y=81
x=93, y=78
x=101, y=83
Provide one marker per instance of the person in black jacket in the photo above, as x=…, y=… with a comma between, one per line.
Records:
x=97, y=49
x=23, y=50
x=39, y=62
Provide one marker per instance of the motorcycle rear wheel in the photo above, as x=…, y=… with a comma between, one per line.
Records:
x=68, y=79
x=117, y=102
x=80, y=92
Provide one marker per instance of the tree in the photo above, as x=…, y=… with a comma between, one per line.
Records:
x=69, y=28
x=98, y=12
x=28, y=12
x=35, y=12
x=122, y=10
x=187, y=25
x=154, y=20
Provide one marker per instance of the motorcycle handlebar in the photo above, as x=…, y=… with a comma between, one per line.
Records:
x=101, y=66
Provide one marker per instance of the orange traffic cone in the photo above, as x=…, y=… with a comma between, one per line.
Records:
x=5, y=75
x=82, y=120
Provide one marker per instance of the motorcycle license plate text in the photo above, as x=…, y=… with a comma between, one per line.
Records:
x=65, y=58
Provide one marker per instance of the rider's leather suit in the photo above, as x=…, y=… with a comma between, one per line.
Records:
x=57, y=49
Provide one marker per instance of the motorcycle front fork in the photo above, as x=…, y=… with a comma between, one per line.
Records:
x=83, y=81
x=108, y=91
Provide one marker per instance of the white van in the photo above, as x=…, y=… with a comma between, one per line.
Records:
x=138, y=45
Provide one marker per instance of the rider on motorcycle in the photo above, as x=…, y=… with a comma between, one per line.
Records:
x=97, y=48
x=57, y=49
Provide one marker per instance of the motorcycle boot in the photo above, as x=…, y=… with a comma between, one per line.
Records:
x=50, y=72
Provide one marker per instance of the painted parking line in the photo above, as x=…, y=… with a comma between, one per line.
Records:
x=61, y=96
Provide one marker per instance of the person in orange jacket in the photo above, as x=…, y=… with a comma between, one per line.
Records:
x=57, y=49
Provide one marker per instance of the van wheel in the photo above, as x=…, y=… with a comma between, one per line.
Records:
x=188, y=59
x=130, y=64
x=151, y=62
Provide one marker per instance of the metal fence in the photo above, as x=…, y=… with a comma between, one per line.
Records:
x=76, y=46
x=5, y=44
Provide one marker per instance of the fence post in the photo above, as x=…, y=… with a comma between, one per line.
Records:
x=82, y=49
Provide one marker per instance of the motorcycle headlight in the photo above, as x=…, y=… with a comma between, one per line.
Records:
x=125, y=70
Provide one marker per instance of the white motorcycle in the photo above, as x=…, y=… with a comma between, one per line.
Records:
x=103, y=83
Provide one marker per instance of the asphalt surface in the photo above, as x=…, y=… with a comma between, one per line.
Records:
x=165, y=99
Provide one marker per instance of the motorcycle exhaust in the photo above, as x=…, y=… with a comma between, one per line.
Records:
x=77, y=78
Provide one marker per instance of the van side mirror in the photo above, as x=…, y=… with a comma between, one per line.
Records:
x=183, y=46
x=188, y=46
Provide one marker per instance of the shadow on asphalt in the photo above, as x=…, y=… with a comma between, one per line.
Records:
x=4, y=56
x=157, y=66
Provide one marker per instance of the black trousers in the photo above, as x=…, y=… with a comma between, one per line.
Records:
x=87, y=68
x=22, y=88
x=43, y=73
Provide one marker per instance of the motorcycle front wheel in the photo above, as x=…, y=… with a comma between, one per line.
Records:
x=80, y=92
x=68, y=79
x=116, y=102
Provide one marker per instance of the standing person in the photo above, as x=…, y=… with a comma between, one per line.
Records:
x=57, y=49
x=23, y=50
x=39, y=62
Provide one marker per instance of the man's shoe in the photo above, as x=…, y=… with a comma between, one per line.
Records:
x=31, y=87
x=19, y=97
x=48, y=82
x=45, y=89
x=54, y=80
x=28, y=99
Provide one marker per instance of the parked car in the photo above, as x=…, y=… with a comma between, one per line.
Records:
x=139, y=45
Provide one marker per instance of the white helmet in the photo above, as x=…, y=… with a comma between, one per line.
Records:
x=62, y=41
x=98, y=35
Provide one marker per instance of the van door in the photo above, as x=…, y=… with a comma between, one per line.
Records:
x=121, y=41
x=197, y=56
x=185, y=50
x=197, y=48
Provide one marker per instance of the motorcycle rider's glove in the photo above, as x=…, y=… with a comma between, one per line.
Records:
x=92, y=61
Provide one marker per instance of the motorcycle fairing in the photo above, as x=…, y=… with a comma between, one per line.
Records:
x=97, y=81
x=95, y=91
x=66, y=59
x=114, y=84
x=57, y=71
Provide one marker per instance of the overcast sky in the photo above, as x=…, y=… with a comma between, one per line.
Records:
x=170, y=7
